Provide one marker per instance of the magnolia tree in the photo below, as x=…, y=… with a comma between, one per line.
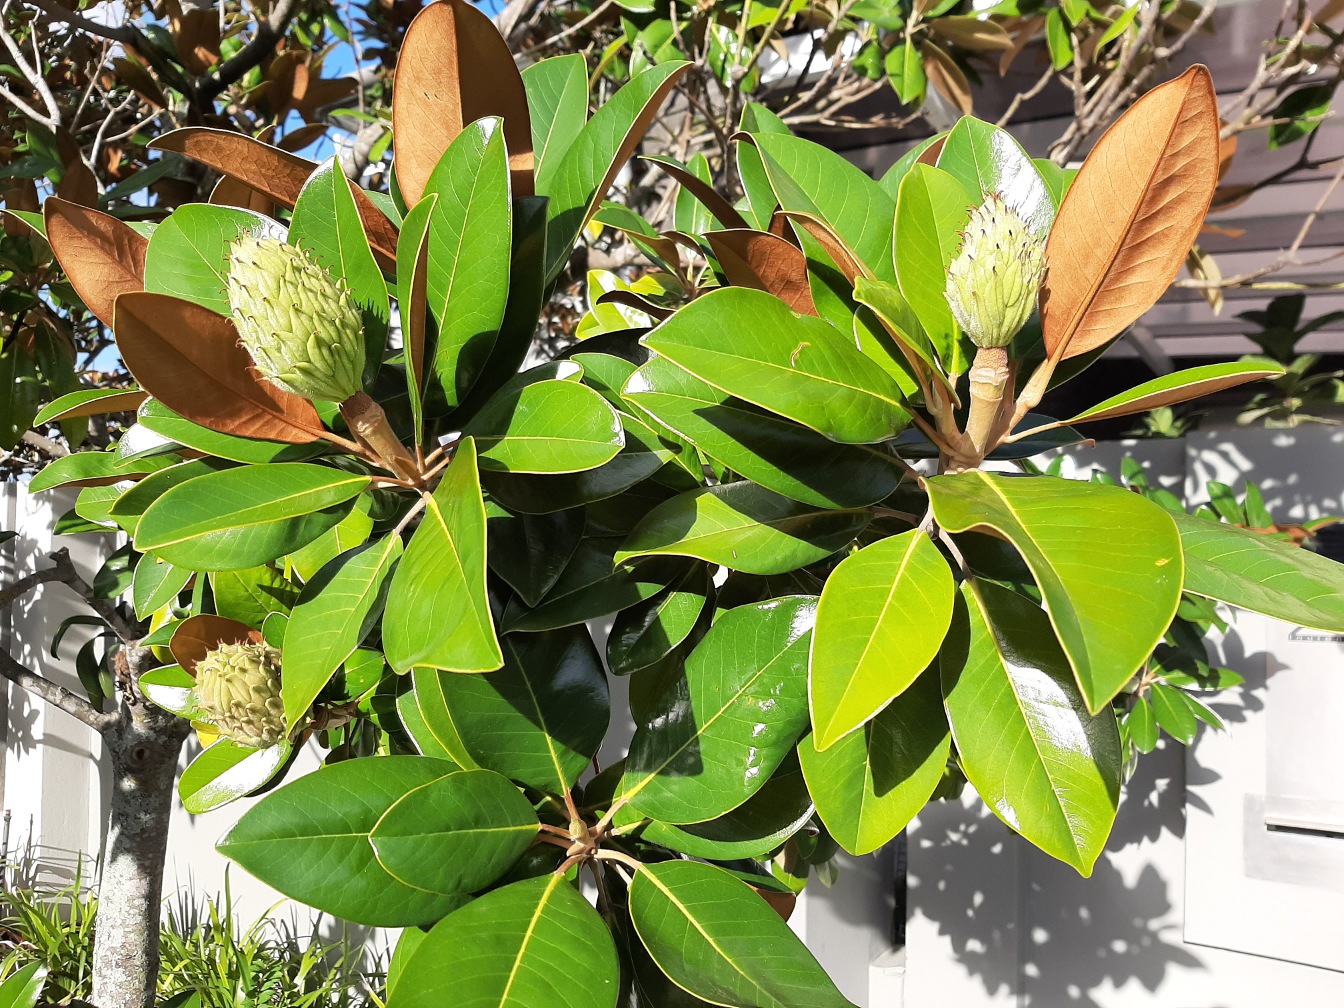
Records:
x=790, y=468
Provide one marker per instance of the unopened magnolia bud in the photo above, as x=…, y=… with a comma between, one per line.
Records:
x=993, y=281
x=238, y=690
x=300, y=326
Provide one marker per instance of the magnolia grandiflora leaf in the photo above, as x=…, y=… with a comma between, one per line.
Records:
x=456, y=834
x=189, y=252
x=195, y=636
x=557, y=102
x=932, y=210
x=1131, y=215
x=795, y=365
x=538, y=720
x=335, y=610
x=467, y=274
x=596, y=156
x=190, y=359
x=529, y=944
x=1251, y=571
x=546, y=427
x=986, y=159
x=154, y=416
x=155, y=584
x=127, y=508
x=882, y=616
x=453, y=69
x=437, y=610
x=1107, y=561
x=226, y=770
x=764, y=261
x=530, y=551
x=870, y=784
x=293, y=837
x=1179, y=387
x=326, y=224
x=779, y=454
x=246, y=516
x=23, y=987
x=649, y=631
x=93, y=468
x=714, y=936
x=719, y=732
x=102, y=256
x=743, y=527
x=1025, y=739
x=277, y=173
x=89, y=402
x=807, y=177
x=726, y=214
x=251, y=594
x=413, y=301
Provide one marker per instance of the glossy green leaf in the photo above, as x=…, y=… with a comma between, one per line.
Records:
x=901, y=327
x=253, y=593
x=547, y=427
x=760, y=196
x=743, y=527
x=172, y=688
x=226, y=771
x=530, y=551
x=316, y=828
x=1251, y=571
x=795, y=365
x=755, y=828
x=530, y=944
x=538, y=720
x=189, y=251
x=351, y=531
x=590, y=164
x=155, y=584
x=467, y=280
x=1173, y=713
x=647, y=633
x=1178, y=387
x=986, y=159
x=904, y=65
x=247, y=516
x=808, y=177
x=557, y=100
x=327, y=224
x=335, y=611
x=425, y=716
x=715, y=937
x=776, y=453
x=891, y=179
x=456, y=834
x=719, y=732
x=89, y=402
x=163, y=421
x=882, y=617
x=23, y=987
x=1107, y=561
x=870, y=784
x=437, y=611
x=127, y=508
x=933, y=208
x=1025, y=739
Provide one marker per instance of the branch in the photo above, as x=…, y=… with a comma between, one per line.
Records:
x=263, y=41
x=125, y=629
x=32, y=74
x=39, y=686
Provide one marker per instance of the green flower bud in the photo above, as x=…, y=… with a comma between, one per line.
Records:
x=238, y=690
x=993, y=281
x=300, y=326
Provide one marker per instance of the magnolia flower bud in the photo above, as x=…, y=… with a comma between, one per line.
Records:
x=300, y=326
x=238, y=690
x=992, y=283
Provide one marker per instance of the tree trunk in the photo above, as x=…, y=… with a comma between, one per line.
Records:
x=143, y=745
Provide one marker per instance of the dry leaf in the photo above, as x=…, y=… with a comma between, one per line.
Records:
x=1023, y=31
x=763, y=261
x=1228, y=197
x=723, y=211
x=1131, y=215
x=189, y=359
x=196, y=635
x=1202, y=266
x=1227, y=150
x=455, y=68
x=297, y=139
x=102, y=257
x=138, y=79
x=277, y=173
x=948, y=78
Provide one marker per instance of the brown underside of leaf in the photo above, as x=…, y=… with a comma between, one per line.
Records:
x=189, y=359
x=722, y=210
x=763, y=261
x=1179, y=395
x=1131, y=216
x=929, y=155
x=414, y=315
x=455, y=68
x=632, y=300
x=123, y=403
x=101, y=256
x=276, y=173
x=229, y=191
x=947, y=78
x=841, y=254
x=197, y=635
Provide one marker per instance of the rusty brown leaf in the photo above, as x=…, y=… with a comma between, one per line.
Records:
x=948, y=78
x=102, y=256
x=1131, y=215
x=197, y=635
x=720, y=208
x=189, y=359
x=455, y=68
x=763, y=261
x=228, y=191
x=277, y=173
x=841, y=254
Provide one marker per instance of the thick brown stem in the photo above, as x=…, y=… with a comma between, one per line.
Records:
x=989, y=377
x=369, y=424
